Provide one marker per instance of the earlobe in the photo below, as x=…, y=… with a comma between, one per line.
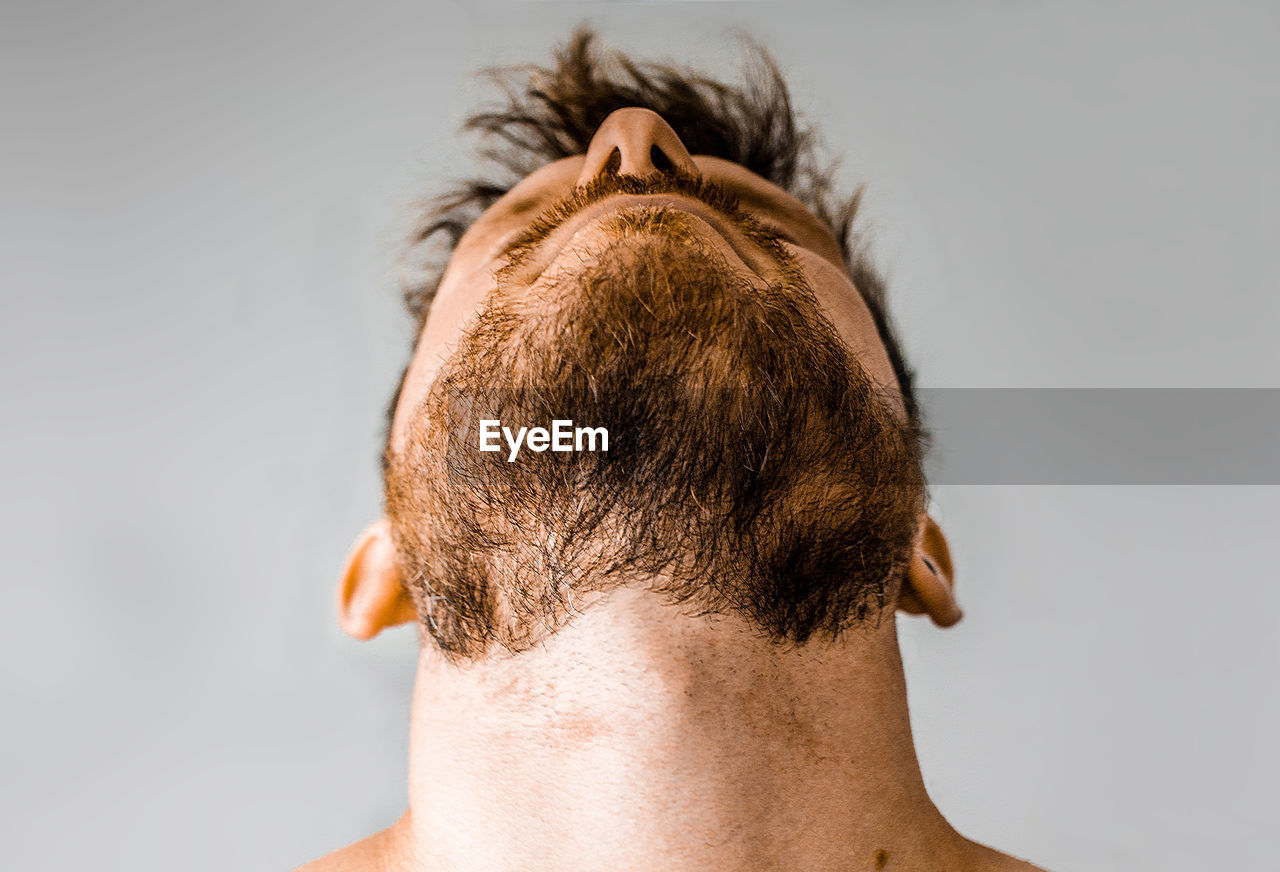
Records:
x=371, y=596
x=928, y=585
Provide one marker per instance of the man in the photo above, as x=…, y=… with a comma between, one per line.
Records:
x=653, y=493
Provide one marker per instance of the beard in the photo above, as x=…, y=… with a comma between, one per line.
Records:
x=753, y=469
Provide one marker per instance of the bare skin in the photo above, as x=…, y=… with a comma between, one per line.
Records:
x=638, y=737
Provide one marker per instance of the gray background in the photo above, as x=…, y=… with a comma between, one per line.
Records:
x=201, y=209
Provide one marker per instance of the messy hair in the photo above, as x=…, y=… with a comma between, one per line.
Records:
x=552, y=112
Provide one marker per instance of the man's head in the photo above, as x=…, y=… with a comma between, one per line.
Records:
x=667, y=267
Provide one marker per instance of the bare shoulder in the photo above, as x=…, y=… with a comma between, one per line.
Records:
x=984, y=859
x=377, y=853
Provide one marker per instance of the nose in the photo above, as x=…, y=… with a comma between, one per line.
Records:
x=638, y=143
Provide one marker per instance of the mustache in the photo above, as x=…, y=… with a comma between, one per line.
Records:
x=610, y=183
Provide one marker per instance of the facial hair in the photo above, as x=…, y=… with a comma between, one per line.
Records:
x=753, y=468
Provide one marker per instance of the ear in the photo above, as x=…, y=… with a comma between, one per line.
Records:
x=371, y=597
x=928, y=586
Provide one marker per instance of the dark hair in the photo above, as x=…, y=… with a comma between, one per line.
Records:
x=552, y=112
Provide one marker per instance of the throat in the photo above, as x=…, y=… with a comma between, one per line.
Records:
x=642, y=738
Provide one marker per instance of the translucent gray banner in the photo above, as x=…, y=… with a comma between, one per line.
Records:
x=1103, y=436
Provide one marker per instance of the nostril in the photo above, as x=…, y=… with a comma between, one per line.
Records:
x=660, y=161
x=633, y=141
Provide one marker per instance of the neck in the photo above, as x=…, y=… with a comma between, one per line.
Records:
x=638, y=738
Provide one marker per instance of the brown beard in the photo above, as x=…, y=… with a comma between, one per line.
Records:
x=752, y=467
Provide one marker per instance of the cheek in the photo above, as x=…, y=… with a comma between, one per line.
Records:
x=462, y=297
x=469, y=278
x=844, y=307
x=460, y=300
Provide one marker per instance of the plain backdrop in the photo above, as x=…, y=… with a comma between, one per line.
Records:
x=202, y=206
